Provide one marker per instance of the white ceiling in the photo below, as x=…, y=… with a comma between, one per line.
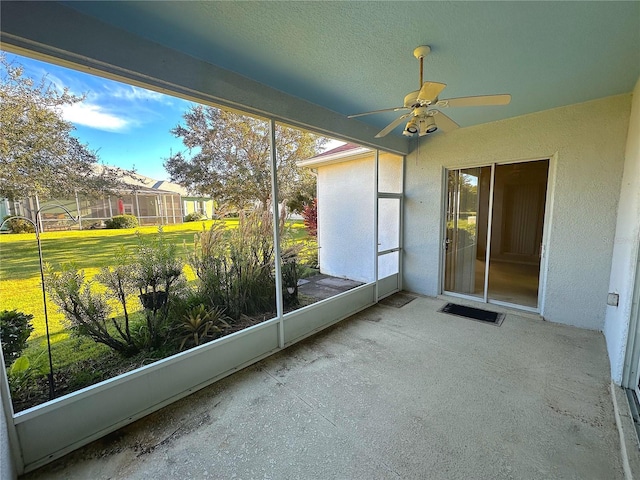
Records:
x=357, y=56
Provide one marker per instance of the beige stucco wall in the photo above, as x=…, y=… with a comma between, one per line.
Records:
x=625, y=248
x=586, y=143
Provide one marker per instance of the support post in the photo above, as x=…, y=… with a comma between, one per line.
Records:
x=276, y=233
x=78, y=210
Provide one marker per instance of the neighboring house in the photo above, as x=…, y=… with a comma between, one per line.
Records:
x=345, y=192
x=152, y=202
x=190, y=203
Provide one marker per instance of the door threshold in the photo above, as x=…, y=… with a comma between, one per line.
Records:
x=500, y=307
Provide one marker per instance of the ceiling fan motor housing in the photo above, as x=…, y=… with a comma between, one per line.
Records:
x=411, y=100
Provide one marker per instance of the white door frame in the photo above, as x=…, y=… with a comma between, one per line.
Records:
x=552, y=161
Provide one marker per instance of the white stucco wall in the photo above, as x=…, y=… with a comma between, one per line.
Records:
x=588, y=142
x=625, y=247
x=346, y=219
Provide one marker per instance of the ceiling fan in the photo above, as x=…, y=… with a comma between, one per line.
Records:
x=423, y=118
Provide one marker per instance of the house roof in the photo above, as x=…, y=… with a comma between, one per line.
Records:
x=341, y=148
x=342, y=153
x=141, y=183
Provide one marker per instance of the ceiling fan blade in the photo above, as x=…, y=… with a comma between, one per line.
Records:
x=394, y=109
x=443, y=122
x=479, y=101
x=429, y=92
x=393, y=125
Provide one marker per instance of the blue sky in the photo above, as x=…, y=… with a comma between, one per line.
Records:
x=128, y=126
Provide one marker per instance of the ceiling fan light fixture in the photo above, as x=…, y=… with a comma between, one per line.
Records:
x=431, y=125
x=427, y=125
x=411, y=129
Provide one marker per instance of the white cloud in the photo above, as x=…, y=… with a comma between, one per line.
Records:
x=93, y=116
x=132, y=93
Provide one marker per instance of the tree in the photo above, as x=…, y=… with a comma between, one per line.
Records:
x=38, y=154
x=230, y=157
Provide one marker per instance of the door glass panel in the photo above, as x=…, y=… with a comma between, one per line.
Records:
x=388, y=223
x=516, y=232
x=388, y=264
x=465, y=241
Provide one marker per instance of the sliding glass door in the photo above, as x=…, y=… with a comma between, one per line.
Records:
x=493, y=236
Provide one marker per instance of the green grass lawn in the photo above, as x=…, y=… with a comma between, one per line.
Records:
x=20, y=286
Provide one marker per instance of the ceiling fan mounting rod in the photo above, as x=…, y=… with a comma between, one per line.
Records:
x=421, y=52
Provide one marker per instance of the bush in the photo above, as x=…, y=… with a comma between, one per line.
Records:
x=155, y=272
x=122, y=221
x=18, y=225
x=86, y=311
x=15, y=328
x=235, y=267
x=310, y=216
x=158, y=278
x=195, y=217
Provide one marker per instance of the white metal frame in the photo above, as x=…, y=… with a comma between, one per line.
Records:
x=545, y=229
x=392, y=284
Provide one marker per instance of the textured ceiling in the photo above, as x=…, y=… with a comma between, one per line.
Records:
x=357, y=56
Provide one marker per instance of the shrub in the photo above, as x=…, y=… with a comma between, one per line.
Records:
x=158, y=276
x=310, y=217
x=18, y=225
x=122, y=221
x=86, y=311
x=15, y=328
x=235, y=267
x=195, y=217
x=154, y=271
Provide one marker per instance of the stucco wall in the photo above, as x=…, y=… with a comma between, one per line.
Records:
x=625, y=247
x=588, y=142
x=346, y=219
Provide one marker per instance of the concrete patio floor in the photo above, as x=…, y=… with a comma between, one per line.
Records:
x=389, y=393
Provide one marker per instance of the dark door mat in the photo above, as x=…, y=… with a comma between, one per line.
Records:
x=397, y=300
x=479, y=314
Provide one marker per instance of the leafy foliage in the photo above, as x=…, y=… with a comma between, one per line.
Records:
x=230, y=157
x=122, y=221
x=18, y=225
x=235, y=266
x=310, y=216
x=15, y=328
x=154, y=271
x=200, y=324
x=158, y=272
x=86, y=311
x=120, y=282
x=38, y=154
x=304, y=193
x=194, y=217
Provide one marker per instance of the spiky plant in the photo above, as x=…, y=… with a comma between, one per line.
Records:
x=201, y=323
